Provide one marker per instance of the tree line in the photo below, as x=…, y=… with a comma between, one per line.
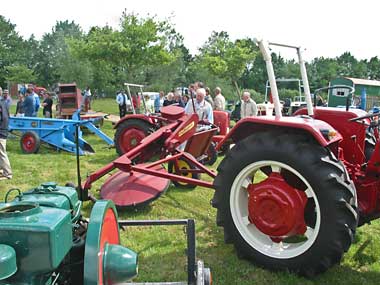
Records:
x=149, y=51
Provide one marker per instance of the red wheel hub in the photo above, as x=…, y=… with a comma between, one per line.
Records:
x=130, y=138
x=276, y=208
x=28, y=142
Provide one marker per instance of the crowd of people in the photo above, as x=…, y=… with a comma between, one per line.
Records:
x=29, y=103
x=205, y=103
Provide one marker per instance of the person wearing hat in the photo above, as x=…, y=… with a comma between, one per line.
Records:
x=6, y=98
x=5, y=166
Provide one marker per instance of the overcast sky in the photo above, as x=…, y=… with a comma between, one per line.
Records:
x=324, y=28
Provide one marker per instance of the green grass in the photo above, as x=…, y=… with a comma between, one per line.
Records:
x=161, y=250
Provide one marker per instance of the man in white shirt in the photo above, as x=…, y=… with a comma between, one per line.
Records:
x=122, y=101
x=202, y=107
x=219, y=101
x=87, y=99
x=248, y=107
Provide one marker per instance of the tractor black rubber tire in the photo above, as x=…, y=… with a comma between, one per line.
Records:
x=224, y=149
x=369, y=147
x=329, y=180
x=212, y=155
x=181, y=184
x=36, y=142
x=142, y=125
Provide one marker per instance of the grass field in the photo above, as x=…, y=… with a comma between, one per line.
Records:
x=161, y=250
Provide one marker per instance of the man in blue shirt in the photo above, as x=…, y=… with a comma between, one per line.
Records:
x=202, y=107
x=36, y=99
x=122, y=100
x=29, y=104
x=158, y=102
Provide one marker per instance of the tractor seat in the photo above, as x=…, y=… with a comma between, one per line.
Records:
x=172, y=112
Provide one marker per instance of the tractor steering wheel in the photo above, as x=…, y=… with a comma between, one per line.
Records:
x=360, y=120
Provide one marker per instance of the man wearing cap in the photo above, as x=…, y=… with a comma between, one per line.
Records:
x=5, y=166
x=202, y=107
x=6, y=98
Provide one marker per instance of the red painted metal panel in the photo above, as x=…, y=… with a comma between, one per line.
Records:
x=222, y=121
x=353, y=133
x=251, y=125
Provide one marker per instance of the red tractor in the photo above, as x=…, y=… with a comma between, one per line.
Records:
x=286, y=193
x=289, y=194
x=132, y=128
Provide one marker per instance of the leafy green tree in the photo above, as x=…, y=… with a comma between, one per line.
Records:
x=130, y=52
x=226, y=59
x=19, y=74
x=11, y=47
x=373, y=68
x=321, y=70
x=54, y=52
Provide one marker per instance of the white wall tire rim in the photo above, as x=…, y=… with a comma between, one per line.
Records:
x=253, y=236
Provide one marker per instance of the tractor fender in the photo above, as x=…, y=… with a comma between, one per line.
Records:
x=142, y=117
x=321, y=131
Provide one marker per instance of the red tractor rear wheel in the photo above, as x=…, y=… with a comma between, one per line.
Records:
x=129, y=133
x=285, y=204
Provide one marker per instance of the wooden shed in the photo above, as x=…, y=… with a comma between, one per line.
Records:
x=338, y=97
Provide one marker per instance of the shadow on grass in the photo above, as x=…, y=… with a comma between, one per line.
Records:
x=229, y=270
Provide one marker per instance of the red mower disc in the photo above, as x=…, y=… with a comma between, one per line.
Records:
x=127, y=190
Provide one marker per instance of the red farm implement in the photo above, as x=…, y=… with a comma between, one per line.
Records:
x=132, y=128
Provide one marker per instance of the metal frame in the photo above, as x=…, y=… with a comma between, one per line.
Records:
x=264, y=48
x=173, y=135
x=130, y=95
x=300, y=86
x=190, y=249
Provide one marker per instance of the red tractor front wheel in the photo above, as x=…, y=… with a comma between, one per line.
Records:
x=285, y=204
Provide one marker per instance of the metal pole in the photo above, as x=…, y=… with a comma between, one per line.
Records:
x=80, y=190
x=130, y=98
x=272, y=79
x=305, y=81
x=142, y=95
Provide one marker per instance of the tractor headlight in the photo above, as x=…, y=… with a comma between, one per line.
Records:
x=328, y=134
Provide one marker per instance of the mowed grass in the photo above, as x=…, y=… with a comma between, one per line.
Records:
x=162, y=249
